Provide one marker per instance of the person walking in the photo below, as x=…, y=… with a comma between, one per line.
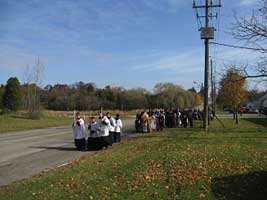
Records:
x=190, y=118
x=94, y=141
x=153, y=122
x=111, y=127
x=79, y=132
x=118, y=128
x=161, y=120
x=103, y=130
x=145, y=123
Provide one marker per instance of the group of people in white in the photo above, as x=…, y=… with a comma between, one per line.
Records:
x=101, y=132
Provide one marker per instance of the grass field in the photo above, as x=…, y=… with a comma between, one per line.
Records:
x=20, y=120
x=17, y=122
x=176, y=164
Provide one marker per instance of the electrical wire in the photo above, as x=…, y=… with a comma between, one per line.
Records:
x=239, y=47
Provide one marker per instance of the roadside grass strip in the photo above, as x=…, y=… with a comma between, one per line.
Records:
x=175, y=164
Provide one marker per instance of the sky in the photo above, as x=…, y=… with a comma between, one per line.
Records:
x=129, y=43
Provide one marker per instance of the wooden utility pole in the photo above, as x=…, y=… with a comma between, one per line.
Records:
x=207, y=33
x=214, y=89
x=212, y=85
x=206, y=78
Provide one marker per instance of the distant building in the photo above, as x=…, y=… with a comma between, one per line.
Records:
x=259, y=103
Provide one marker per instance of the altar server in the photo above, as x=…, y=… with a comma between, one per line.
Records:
x=103, y=129
x=79, y=132
x=111, y=127
x=94, y=141
x=118, y=127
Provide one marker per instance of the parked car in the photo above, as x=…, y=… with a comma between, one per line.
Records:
x=242, y=110
x=226, y=109
x=253, y=111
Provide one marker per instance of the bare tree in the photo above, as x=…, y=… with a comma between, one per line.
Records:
x=33, y=78
x=253, y=30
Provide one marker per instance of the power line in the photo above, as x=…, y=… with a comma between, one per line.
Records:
x=199, y=23
x=239, y=47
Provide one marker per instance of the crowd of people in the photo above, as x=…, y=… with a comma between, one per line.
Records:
x=104, y=130
x=100, y=133
x=156, y=120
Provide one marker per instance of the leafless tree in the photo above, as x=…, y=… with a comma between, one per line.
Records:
x=33, y=79
x=253, y=31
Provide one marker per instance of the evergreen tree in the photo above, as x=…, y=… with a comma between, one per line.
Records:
x=2, y=89
x=12, y=97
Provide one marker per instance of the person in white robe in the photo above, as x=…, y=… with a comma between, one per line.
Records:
x=79, y=132
x=111, y=127
x=153, y=122
x=118, y=127
x=103, y=130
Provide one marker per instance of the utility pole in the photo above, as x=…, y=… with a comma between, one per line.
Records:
x=211, y=87
x=212, y=82
x=207, y=33
x=214, y=89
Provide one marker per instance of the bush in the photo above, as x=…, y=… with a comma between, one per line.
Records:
x=35, y=115
x=5, y=111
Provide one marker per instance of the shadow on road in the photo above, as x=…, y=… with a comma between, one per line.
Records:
x=251, y=186
x=55, y=148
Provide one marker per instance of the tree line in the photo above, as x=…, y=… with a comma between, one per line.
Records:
x=87, y=96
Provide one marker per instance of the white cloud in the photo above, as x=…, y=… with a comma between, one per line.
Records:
x=237, y=56
x=166, y=5
x=190, y=63
x=248, y=2
x=185, y=62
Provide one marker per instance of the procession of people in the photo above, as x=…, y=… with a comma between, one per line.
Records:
x=156, y=120
x=101, y=132
x=105, y=130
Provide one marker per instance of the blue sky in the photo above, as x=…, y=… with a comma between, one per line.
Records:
x=130, y=43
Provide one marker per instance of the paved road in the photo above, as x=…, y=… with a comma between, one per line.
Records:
x=26, y=153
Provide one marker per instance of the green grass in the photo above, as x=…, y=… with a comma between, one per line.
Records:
x=176, y=164
x=15, y=122
x=21, y=121
x=245, y=124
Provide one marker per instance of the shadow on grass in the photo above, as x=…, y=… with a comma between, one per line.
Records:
x=251, y=186
x=258, y=121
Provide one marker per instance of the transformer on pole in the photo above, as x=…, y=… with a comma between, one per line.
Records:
x=207, y=33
